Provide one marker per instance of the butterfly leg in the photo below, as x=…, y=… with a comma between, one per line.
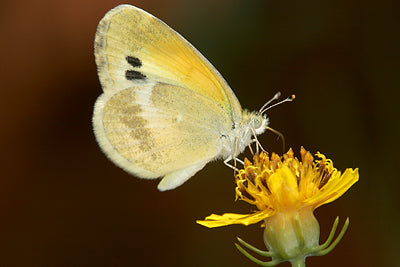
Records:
x=238, y=160
x=254, y=140
x=226, y=162
x=250, y=148
x=235, y=159
x=258, y=144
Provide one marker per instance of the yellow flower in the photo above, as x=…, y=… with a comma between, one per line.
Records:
x=286, y=191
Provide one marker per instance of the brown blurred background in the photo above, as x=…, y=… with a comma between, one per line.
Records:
x=62, y=203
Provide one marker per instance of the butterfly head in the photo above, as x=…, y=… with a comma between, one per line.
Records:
x=258, y=122
x=253, y=123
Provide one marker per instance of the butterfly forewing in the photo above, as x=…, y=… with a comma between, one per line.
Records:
x=133, y=46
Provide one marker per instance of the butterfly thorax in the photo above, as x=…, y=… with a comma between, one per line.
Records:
x=242, y=133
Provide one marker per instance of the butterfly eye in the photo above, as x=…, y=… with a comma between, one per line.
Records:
x=257, y=122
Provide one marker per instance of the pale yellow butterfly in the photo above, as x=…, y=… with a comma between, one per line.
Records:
x=165, y=110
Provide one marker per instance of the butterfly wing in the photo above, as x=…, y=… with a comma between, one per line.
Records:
x=132, y=45
x=164, y=106
x=152, y=130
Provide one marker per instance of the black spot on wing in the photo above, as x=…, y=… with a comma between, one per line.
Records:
x=134, y=61
x=134, y=75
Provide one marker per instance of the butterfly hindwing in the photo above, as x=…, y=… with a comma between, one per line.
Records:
x=149, y=132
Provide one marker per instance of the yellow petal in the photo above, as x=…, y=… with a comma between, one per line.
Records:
x=215, y=220
x=283, y=186
x=335, y=188
x=349, y=177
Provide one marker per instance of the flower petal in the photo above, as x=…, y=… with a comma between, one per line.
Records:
x=283, y=186
x=349, y=177
x=215, y=220
x=335, y=188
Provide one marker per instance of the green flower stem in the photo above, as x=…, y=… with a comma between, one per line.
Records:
x=299, y=262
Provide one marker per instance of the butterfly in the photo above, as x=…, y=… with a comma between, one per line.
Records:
x=165, y=111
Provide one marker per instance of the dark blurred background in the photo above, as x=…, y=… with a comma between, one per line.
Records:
x=63, y=203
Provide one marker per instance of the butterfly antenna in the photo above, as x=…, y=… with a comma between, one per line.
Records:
x=266, y=107
x=275, y=97
x=280, y=135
